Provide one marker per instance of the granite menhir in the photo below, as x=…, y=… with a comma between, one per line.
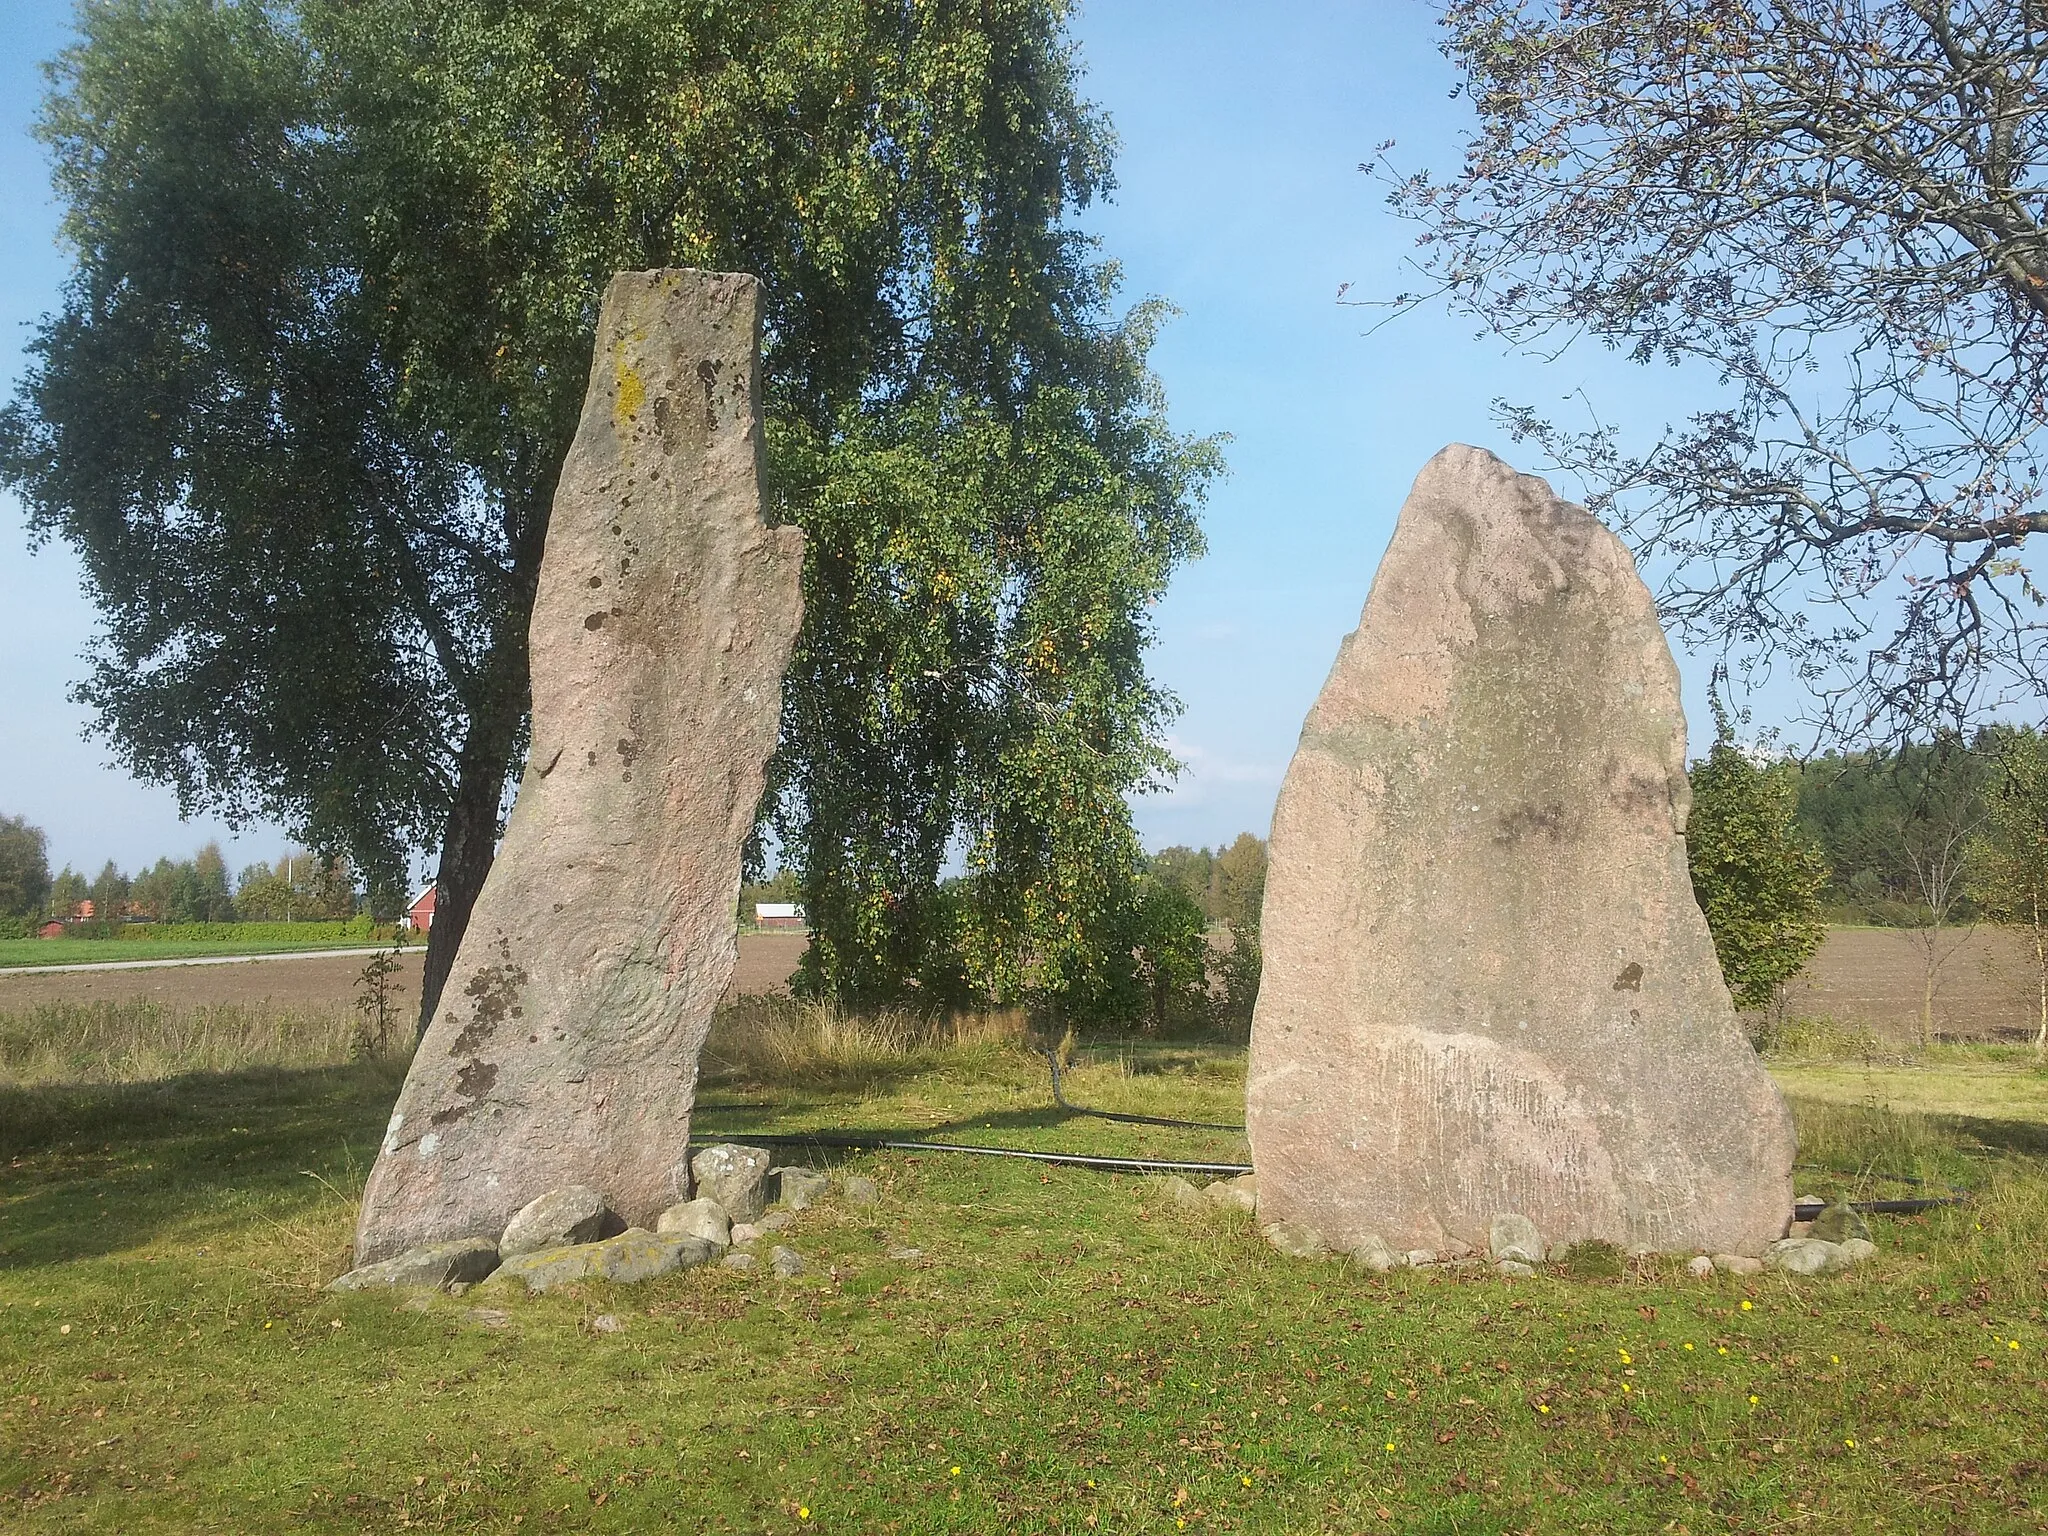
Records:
x=1488, y=989
x=564, y=1050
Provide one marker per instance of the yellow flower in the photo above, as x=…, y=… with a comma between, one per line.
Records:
x=1752, y=1399
x=803, y=1511
x=1688, y=1349
x=1390, y=1445
x=1543, y=1407
x=1626, y=1387
x=955, y=1472
x=1834, y=1359
x=2012, y=1343
x=1724, y=1349
x=1850, y=1443
x=1745, y=1305
x=1245, y=1480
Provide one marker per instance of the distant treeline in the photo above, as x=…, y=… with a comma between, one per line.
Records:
x=299, y=887
x=1878, y=817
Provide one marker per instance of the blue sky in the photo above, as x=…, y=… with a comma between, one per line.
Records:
x=1239, y=200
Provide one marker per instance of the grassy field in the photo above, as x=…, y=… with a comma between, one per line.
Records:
x=1068, y=1352
x=20, y=952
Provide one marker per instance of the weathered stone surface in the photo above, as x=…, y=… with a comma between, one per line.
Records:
x=635, y=1254
x=1181, y=1192
x=740, y=1261
x=1514, y=1237
x=1738, y=1264
x=558, y=1219
x=1487, y=985
x=1856, y=1249
x=697, y=1218
x=1804, y=1256
x=798, y=1187
x=1700, y=1267
x=565, y=1048
x=736, y=1177
x=862, y=1190
x=786, y=1262
x=1514, y=1269
x=462, y=1262
x=1840, y=1222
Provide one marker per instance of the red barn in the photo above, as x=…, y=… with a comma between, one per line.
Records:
x=419, y=917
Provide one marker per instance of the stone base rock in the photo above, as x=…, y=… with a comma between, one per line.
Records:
x=1240, y=1193
x=736, y=1177
x=635, y=1254
x=1514, y=1238
x=561, y=1218
x=786, y=1262
x=1296, y=1240
x=1699, y=1267
x=1816, y=1256
x=862, y=1190
x=1838, y=1223
x=1488, y=986
x=435, y=1266
x=705, y=1219
x=1371, y=1252
x=798, y=1187
x=564, y=1048
x=1738, y=1264
x=1515, y=1269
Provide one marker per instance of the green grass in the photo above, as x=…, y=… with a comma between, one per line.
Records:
x=19, y=952
x=1071, y=1352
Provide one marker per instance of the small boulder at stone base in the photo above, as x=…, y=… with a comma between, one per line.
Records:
x=1804, y=1256
x=635, y=1254
x=798, y=1187
x=736, y=1177
x=1514, y=1237
x=1240, y=1193
x=1838, y=1223
x=1297, y=1241
x=561, y=1218
x=862, y=1190
x=786, y=1262
x=436, y=1266
x=1373, y=1253
x=705, y=1219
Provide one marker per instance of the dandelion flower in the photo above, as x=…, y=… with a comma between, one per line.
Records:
x=1543, y=1407
x=1752, y=1399
x=2012, y=1343
x=1851, y=1444
x=1245, y=1480
x=1724, y=1349
x=1688, y=1349
x=955, y=1472
x=1834, y=1359
x=1746, y=1305
x=1390, y=1445
x=803, y=1511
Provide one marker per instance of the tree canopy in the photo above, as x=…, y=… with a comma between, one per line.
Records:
x=24, y=868
x=337, y=268
x=1841, y=212
x=1757, y=877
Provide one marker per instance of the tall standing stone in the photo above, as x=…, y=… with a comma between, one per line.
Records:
x=565, y=1047
x=1488, y=989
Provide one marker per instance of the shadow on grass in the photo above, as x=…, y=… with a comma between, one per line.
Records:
x=95, y=1168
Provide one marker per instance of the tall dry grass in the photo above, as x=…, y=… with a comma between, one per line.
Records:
x=781, y=1041
x=140, y=1041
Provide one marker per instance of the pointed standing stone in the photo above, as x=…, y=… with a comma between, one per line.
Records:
x=565, y=1048
x=1488, y=990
